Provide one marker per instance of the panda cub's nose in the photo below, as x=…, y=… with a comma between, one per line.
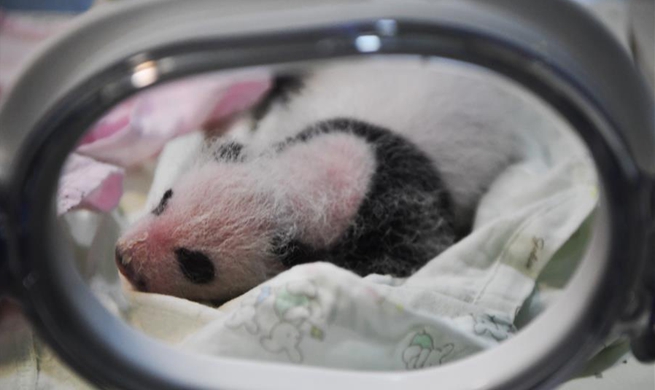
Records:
x=128, y=271
x=118, y=254
x=195, y=266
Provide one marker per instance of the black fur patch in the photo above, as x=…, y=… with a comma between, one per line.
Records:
x=293, y=252
x=283, y=87
x=195, y=266
x=163, y=202
x=229, y=152
x=406, y=218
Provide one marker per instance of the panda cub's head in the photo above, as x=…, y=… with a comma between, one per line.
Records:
x=231, y=223
x=195, y=242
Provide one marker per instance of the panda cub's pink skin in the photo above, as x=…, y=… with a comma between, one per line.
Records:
x=227, y=213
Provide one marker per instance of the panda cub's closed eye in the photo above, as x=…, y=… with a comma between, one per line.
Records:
x=162, y=203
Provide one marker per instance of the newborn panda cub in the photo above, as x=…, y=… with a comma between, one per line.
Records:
x=284, y=191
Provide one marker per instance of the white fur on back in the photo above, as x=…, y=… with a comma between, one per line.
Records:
x=465, y=121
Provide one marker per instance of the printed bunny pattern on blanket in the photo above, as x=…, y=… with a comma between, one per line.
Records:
x=282, y=317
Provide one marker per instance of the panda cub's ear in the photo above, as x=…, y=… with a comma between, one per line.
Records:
x=163, y=202
x=230, y=151
x=293, y=252
x=284, y=87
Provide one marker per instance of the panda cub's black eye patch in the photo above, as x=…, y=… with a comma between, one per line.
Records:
x=195, y=266
x=163, y=202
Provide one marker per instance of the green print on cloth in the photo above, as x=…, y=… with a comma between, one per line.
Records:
x=421, y=352
x=294, y=305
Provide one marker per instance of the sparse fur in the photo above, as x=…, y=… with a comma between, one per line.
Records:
x=405, y=218
x=376, y=167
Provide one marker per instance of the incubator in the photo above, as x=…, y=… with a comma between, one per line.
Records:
x=551, y=269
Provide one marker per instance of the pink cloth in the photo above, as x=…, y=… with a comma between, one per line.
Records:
x=136, y=129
